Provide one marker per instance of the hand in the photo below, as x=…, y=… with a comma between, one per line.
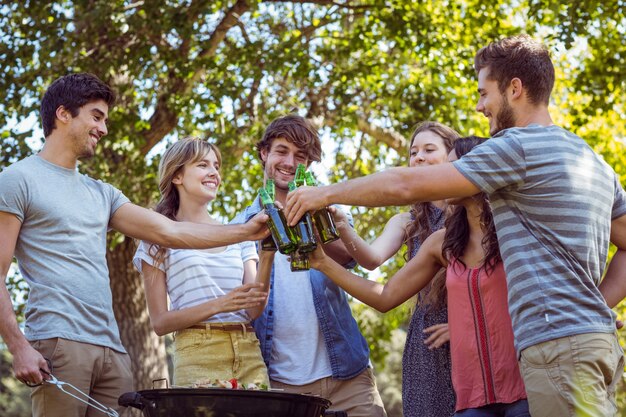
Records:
x=339, y=216
x=246, y=296
x=317, y=257
x=619, y=324
x=27, y=363
x=440, y=334
x=303, y=199
x=265, y=255
x=258, y=226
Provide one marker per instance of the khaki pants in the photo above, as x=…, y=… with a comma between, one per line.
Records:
x=573, y=375
x=203, y=355
x=98, y=371
x=358, y=396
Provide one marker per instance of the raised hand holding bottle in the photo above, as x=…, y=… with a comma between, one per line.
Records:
x=322, y=218
x=284, y=237
x=304, y=228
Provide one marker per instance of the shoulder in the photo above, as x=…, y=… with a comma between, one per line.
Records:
x=18, y=170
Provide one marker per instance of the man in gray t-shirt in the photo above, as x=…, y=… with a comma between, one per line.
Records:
x=556, y=206
x=54, y=220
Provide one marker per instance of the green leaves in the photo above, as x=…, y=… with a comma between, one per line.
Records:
x=364, y=72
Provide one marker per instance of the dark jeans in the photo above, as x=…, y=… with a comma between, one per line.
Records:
x=516, y=409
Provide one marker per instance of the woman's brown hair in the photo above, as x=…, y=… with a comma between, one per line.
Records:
x=419, y=228
x=184, y=151
x=457, y=227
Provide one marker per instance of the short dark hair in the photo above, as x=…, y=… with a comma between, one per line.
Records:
x=295, y=129
x=519, y=57
x=72, y=92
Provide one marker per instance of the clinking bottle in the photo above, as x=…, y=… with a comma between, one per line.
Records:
x=322, y=218
x=268, y=244
x=284, y=237
x=304, y=229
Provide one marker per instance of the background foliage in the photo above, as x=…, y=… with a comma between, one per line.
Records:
x=364, y=71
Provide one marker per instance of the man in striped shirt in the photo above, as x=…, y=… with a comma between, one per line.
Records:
x=556, y=205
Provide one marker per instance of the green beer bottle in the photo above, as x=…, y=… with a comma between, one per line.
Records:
x=268, y=244
x=304, y=229
x=299, y=261
x=322, y=218
x=300, y=177
x=283, y=236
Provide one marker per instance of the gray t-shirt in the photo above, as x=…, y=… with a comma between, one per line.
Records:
x=61, y=250
x=553, y=200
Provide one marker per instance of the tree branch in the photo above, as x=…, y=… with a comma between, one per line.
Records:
x=164, y=118
x=388, y=136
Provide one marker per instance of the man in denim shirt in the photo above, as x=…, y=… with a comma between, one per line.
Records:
x=309, y=339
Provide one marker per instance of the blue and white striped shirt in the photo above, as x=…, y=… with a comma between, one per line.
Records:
x=195, y=276
x=553, y=200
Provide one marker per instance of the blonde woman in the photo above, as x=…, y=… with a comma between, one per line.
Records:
x=214, y=293
x=426, y=382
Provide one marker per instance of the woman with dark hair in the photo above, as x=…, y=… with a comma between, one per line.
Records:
x=213, y=293
x=427, y=385
x=485, y=373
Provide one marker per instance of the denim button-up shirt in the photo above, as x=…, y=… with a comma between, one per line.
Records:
x=347, y=349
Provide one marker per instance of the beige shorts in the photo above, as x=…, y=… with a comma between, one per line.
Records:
x=573, y=375
x=100, y=372
x=202, y=355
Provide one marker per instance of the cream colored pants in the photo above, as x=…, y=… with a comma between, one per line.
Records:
x=203, y=355
x=573, y=376
x=358, y=396
x=98, y=371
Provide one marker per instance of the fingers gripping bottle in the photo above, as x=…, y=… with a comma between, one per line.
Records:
x=268, y=244
x=322, y=218
x=284, y=237
x=304, y=228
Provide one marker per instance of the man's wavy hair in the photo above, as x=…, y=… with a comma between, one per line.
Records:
x=519, y=57
x=295, y=129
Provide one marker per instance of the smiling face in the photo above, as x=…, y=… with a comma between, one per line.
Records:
x=199, y=180
x=493, y=104
x=427, y=148
x=86, y=128
x=281, y=161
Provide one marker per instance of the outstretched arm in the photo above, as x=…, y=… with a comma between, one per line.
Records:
x=409, y=280
x=613, y=286
x=371, y=256
x=26, y=360
x=144, y=224
x=392, y=187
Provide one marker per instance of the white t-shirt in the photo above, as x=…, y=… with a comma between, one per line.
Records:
x=299, y=354
x=195, y=276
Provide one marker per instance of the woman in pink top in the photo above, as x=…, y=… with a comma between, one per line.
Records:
x=485, y=374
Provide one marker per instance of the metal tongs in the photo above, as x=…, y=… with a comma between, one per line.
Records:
x=74, y=392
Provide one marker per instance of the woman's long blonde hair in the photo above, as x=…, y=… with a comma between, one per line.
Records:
x=184, y=151
x=419, y=228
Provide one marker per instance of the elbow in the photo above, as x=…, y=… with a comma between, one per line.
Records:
x=383, y=304
x=383, y=308
x=370, y=265
x=159, y=328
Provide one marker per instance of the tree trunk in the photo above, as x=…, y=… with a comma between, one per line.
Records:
x=146, y=349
